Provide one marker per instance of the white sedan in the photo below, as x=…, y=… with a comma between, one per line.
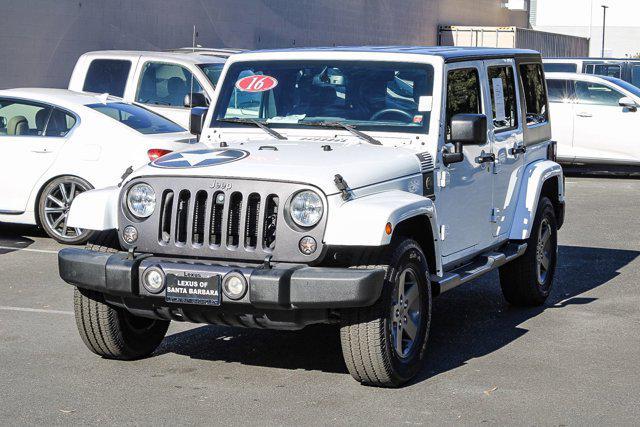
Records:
x=56, y=143
x=596, y=121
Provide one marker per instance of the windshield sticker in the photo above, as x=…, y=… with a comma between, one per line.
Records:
x=498, y=99
x=424, y=103
x=256, y=83
x=199, y=158
x=417, y=119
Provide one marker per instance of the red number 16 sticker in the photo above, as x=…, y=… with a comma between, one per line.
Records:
x=256, y=83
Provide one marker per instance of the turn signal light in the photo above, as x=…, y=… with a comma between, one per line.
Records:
x=154, y=153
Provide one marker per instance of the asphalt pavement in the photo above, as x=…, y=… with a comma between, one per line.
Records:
x=571, y=362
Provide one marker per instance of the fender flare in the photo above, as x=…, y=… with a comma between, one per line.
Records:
x=95, y=209
x=534, y=177
x=362, y=222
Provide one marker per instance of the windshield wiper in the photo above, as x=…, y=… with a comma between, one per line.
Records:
x=350, y=128
x=258, y=123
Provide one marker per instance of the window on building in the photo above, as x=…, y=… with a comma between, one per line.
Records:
x=597, y=94
x=557, y=67
x=463, y=93
x=559, y=90
x=107, y=76
x=535, y=94
x=22, y=118
x=166, y=84
x=504, y=104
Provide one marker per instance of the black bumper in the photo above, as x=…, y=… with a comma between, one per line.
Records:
x=280, y=287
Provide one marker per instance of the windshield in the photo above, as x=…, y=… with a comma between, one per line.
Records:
x=212, y=71
x=382, y=96
x=623, y=84
x=137, y=118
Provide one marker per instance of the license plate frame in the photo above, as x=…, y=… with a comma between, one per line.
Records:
x=189, y=288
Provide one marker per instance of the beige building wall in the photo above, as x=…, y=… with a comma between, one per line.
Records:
x=40, y=40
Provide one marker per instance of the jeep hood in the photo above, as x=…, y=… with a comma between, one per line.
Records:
x=310, y=162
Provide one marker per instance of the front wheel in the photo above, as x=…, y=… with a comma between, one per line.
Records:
x=53, y=209
x=384, y=345
x=526, y=281
x=113, y=332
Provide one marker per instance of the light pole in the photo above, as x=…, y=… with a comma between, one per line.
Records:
x=604, y=25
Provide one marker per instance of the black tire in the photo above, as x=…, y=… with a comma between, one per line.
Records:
x=112, y=332
x=521, y=282
x=366, y=333
x=104, y=241
x=53, y=209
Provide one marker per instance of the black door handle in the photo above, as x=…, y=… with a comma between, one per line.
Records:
x=521, y=149
x=484, y=158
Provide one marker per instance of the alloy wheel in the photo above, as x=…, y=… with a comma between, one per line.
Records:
x=56, y=208
x=543, y=251
x=405, y=313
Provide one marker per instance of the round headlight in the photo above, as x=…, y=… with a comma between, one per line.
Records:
x=141, y=200
x=306, y=208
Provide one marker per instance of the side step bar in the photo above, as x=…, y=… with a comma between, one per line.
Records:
x=479, y=266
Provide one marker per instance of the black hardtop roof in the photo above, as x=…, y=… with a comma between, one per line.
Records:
x=449, y=53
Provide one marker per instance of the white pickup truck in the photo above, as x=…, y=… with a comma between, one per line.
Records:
x=158, y=80
x=350, y=187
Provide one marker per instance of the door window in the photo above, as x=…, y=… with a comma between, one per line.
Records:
x=635, y=75
x=60, y=123
x=535, y=94
x=559, y=90
x=597, y=94
x=166, y=84
x=107, y=76
x=463, y=94
x=604, y=70
x=22, y=118
x=560, y=67
x=503, y=98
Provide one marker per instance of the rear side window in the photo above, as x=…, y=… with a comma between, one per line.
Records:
x=166, y=84
x=535, y=94
x=603, y=70
x=463, y=93
x=597, y=94
x=559, y=90
x=107, y=76
x=503, y=98
x=560, y=68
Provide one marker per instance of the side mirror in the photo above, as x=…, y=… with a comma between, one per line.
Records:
x=629, y=103
x=466, y=129
x=196, y=120
x=195, y=99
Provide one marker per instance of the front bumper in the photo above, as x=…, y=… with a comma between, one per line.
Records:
x=281, y=287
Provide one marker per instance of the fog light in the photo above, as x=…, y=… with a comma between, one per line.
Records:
x=153, y=280
x=234, y=285
x=130, y=234
x=307, y=245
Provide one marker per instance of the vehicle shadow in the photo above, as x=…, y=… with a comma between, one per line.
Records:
x=14, y=237
x=468, y=322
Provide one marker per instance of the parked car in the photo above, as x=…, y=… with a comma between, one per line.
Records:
x=625, y=69
x=158, y=80
x=370, y=181
x=595, y=121
x=57, y=144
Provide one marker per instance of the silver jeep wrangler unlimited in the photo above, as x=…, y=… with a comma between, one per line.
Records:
x=347, y=186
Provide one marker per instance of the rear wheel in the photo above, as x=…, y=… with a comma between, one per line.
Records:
x=527, y=280
x=384, y=345
x=53, y=209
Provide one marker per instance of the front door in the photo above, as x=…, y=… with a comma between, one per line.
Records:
x=604, y=131
x=505, y=135
x=464, y=195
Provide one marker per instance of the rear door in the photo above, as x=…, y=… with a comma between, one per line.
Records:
x=604, y=131
x=505, y=135
x=31, y=134
x=561, y=108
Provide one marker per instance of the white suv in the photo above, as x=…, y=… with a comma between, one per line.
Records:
x=341, y=185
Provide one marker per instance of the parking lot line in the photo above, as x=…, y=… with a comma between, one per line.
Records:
x=45, y=251
x=35, y=310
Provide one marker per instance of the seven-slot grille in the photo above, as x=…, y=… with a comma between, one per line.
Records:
x=218, y=219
